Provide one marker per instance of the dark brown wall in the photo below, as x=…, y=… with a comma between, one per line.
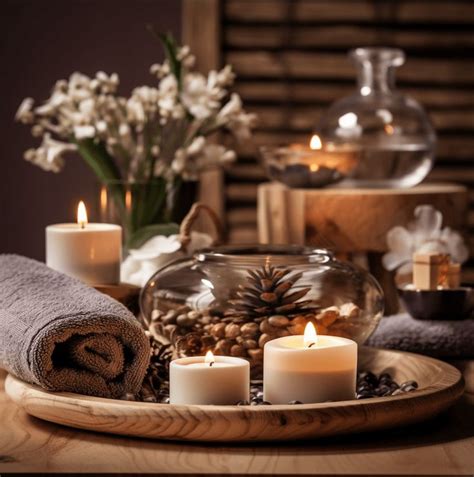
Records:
x=45, y=40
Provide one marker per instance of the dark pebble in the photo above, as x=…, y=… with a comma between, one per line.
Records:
x=266, y=403
x=365, y=396
x=243, y=403
x=295, y=402
x=385, y=377
x=409, y=383
x=397, y=392
x=368, y=377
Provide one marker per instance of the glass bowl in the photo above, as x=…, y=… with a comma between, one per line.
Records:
x=303, y=167
x=232, y=300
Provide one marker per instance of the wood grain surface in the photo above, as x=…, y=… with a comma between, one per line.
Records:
x=439, y=386
x=444, y=445
x=350, y=220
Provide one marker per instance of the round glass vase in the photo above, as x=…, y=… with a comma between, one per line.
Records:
x=145, y=208
x=389, y=132
x=232, y=300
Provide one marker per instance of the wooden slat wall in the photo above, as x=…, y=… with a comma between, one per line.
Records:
x=291, y=61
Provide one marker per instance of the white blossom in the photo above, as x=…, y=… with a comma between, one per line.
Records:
x=166, y=124
x=199, y=97
x=234, y=118
x=25, y=113
x=424, y=234
x=142, y=263
x=49, y=156
x=84, y=132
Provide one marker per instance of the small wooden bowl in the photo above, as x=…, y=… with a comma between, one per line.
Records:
x=439, y=386
x=448, y=304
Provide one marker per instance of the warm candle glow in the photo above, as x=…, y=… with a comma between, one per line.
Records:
x=81, y=214
x=209, y=359
x=315, y=142
x=310, y=335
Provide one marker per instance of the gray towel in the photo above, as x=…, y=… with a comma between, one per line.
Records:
x=62, y=335
x=440, y=339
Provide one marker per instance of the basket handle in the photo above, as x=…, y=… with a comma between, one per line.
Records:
x=190, y=219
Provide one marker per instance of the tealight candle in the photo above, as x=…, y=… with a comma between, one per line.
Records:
x=209, y=380
x=87, y=251
x=309, y=368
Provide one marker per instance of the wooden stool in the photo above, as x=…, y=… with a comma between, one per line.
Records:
x=352, y=221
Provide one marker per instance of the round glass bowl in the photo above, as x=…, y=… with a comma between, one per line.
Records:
x=302, y=167
x=232, y=300
x=390, y=133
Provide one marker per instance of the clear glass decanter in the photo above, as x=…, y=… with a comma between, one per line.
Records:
x=390, y=133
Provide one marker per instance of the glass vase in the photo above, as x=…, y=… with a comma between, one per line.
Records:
x=232, y=300
x=390, y=132
x=145, y=209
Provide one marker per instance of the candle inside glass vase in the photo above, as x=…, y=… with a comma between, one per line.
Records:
x=309, y=368
x=314, y=165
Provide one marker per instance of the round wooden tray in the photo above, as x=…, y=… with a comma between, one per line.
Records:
x=440, y=385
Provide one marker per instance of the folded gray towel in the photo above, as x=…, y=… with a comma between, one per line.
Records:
x=440, y=339
x=62, y=335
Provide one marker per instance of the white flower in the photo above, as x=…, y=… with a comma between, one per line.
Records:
x=222, y=78
x=25, y=113
x=215, y=155
x=156, y=253
x=201, y=99
x=424, y=234
x=197, y=145
x=49, y=155
x=84, y=132
x=236, y=119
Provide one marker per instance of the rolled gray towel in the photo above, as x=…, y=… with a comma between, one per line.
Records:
x=62, y=335
x=440, y=339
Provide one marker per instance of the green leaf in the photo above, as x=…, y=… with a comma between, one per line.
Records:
x=171, y=49
x=140, y=236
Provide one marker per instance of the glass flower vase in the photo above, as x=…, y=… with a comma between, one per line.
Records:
x=390, y=133
x=145, y=208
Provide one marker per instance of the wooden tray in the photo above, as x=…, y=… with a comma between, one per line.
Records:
x=440, y=385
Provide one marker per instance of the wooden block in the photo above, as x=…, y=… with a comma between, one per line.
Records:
x=454, y=275
x=350, y=220
x=429, y=270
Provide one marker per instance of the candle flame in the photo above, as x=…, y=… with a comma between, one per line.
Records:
x=315, y=142
x=389, y=129
x=209, y=358
x=81, y=214
x=310, y=336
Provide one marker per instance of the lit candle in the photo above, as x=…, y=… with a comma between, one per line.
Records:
x=309, y=368
x=209, y=380
x=317, y=155
x=90, y=252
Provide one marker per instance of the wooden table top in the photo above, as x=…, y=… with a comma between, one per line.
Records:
x=444, y=445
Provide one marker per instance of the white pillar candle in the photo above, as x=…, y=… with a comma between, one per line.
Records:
x=209, y=380
x=87, y=251
x=309, y=368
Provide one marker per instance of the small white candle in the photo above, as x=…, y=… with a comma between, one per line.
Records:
x=209, y=380
x=309, y=368
x=90, y=252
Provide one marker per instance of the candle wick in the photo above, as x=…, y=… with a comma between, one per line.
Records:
x=211, y=363
x=83, y=225
x=311, y=344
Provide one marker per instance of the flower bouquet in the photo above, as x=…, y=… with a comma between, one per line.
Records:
x=145, y=147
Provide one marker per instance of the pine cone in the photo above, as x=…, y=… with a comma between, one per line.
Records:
x=268, y=292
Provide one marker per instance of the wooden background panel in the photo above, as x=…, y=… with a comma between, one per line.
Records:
x=291, y=60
